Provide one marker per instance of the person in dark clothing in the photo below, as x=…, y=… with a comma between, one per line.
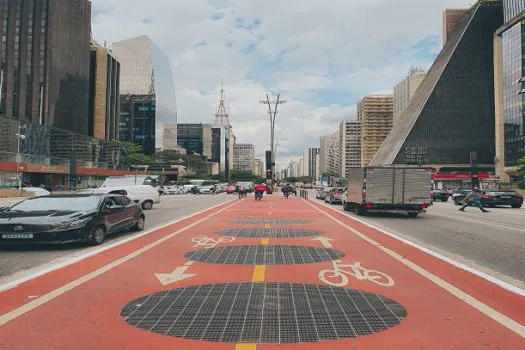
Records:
x=473, y=199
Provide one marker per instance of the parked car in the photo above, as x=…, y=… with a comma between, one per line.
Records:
x=69, y=218
x=206, y=189
x=335, y=195
x=493, y=198
x=144, y=195
x=439, y=195
x=322, y=193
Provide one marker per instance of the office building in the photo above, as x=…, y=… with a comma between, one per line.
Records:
x=310, y=163
x=329, y=154
x=137, y=121
x=104, y=99
x=300, y=168
x=45, y=62
x=405, y=90
x=170, y=137
x=452, y=112
x=145, y=72
x=509, y=67
x=258, y=168
x=451, y=17
x=243, y=157
x=375, y=114
x=349, y=151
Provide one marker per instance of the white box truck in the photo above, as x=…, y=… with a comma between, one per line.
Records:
x=388, y=189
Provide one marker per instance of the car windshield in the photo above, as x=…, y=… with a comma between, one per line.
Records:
x=58, y=203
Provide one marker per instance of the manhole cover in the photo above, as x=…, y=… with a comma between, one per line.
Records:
x=263, y=313
x=270, y=232
x=264, y=255
x=274, y=221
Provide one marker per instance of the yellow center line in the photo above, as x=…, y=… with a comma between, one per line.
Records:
x=264, y=241
x=267, y=226
x=259, y=273
x=246, y=347
x=269, y=213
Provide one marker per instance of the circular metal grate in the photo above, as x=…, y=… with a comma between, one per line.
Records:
x=263, y=313
x=270, y=232
x=264, y=255
x=274, y=221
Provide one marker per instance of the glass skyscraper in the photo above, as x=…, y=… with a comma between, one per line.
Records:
x=145, y=71
x=513, y=80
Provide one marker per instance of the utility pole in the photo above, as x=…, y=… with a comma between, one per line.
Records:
x=273, y=114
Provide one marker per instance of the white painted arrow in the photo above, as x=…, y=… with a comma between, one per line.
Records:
x=177, y=275
x=325, y=241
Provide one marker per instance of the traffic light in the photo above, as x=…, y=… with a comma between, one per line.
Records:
x=268, y=174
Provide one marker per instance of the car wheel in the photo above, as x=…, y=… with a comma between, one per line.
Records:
x=139, y=225
x=516, y=206
x=147, y=205
x=98, y=236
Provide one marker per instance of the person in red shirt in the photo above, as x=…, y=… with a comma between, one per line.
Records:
x=259, y=190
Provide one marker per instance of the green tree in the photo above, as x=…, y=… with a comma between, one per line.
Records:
x=169, y=156
x=136, y=154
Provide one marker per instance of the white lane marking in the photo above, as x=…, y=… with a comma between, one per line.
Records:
x=178, y=274
x=485, y=276
x=73, y=284
x=208, y=242
x=479, y=222
x=336, y=277
x=75, y=259
x=458, y=293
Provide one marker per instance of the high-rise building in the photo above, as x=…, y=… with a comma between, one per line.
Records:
x=328, y=154
x=375, y=114
x=310, y=163
x=170, y=137
x=44, y=58
x=104, y=99
x=243, y=157
x=137, y=121
x=349, y=152
x=451, y=17
x=145, y=71
x=509, y=77
x=405, y=90
x=452, y=112
x=258, y=168
x=300, y=168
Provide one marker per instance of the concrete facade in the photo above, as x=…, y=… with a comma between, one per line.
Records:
x=405, y=90
x=243, y=157
x=349, y=147
x=451, y=17
x=376, y=115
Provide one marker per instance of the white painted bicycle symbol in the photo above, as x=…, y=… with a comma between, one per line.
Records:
x=208, y=242
x=338, y=276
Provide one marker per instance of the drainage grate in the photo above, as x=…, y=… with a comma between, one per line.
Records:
x=264, y=255
x=264, y=313
x=270, y=232
x=274, y=221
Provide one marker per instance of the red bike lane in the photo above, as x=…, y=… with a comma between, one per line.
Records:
x=276, y=274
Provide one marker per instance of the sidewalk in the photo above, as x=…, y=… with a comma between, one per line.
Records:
x=276, y=274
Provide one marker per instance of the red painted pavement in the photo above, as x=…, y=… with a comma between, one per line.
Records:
x=88, y=316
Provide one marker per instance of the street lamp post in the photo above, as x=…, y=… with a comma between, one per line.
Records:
x=19, y=137
x=273, y=114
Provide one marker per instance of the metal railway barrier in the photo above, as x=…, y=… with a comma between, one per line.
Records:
x=303, y=193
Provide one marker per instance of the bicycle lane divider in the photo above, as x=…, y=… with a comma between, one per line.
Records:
x=414, y=284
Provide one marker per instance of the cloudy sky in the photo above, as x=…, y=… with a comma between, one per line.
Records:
x=321, y=56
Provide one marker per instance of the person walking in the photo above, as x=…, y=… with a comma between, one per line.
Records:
x=473, y=199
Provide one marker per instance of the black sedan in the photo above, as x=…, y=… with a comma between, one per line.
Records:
x=493, y=198
x=69, y=218
x=439, y=195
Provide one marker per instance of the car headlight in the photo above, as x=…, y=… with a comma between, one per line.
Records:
x=69, y=225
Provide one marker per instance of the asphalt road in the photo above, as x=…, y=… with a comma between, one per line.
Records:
x=18, y=261
x=492, y=242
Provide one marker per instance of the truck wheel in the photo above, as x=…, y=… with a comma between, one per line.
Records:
x=346, y=207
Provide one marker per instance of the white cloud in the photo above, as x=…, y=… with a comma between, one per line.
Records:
x=323, y=56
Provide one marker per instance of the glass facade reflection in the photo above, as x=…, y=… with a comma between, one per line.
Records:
x=45, y=60
x=52, y=146
x=513, y=41
x=512, y=8
x=145, y=70
x=137, y=121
